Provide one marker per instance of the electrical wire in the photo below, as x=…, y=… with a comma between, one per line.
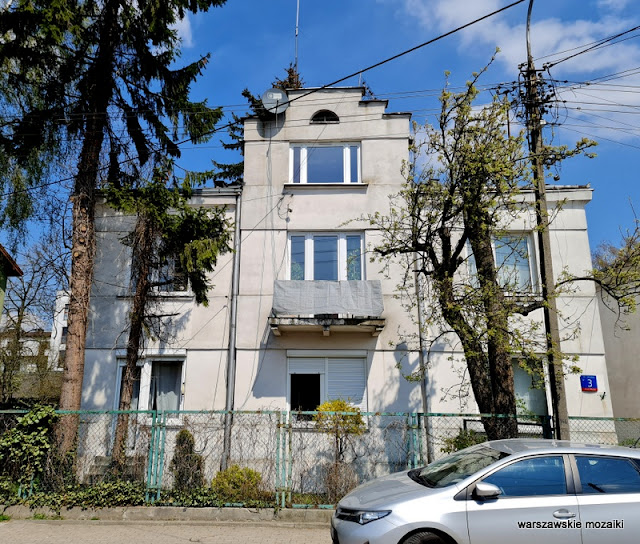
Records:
x=309, y=92
x=598, y=45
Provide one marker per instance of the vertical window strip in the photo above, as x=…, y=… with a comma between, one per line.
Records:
x=298, y=258
x=354, y=164
x=354, y=257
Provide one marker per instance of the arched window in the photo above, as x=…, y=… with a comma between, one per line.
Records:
x=324, y=117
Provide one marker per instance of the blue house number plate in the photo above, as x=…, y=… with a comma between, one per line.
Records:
x=589, y=383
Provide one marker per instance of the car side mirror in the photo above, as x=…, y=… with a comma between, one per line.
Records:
x=485, y=491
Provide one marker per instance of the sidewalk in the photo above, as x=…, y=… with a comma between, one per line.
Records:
x=166, y=525
x=159, y=532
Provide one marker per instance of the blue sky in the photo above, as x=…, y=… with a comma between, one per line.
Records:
x=251, y=41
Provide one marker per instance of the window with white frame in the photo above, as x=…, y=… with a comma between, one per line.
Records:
x=326, y=256
x=529, y=387
x=314, y=379
x=325, y=163
x=514, y=262
x=157, y=385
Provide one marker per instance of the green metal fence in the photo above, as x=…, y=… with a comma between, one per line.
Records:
x=298, y=462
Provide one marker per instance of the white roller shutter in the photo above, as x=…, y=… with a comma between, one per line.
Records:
x=306, y=365
x=346, y=380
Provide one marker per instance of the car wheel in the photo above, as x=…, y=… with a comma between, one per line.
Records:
x=423, y=537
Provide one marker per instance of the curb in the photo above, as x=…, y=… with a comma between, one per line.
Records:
x=285, y=517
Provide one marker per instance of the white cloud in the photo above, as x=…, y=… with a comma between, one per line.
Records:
x=183, y=26
x=550, y=35
x=553, y=39
x=616, y=5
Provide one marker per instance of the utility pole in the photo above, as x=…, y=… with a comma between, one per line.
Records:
x=533, y=107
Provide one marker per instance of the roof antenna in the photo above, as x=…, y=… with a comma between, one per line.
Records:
x=297, y=21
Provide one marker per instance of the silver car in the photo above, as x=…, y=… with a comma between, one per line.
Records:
x=524, y=491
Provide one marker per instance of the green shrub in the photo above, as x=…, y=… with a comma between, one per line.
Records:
x=25, y=448
x=100, y=495
x=237, y=484
x=186, y=465
x=464, y=439
x=8, y=491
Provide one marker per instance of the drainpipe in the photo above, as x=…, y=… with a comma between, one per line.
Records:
x=231, y=354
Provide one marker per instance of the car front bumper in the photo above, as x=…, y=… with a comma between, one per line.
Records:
x=379, y=531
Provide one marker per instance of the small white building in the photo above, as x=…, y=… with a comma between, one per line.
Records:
x=311, y=318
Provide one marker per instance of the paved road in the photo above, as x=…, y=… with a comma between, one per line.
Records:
x=105, y=532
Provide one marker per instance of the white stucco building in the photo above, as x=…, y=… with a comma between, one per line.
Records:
x=299, y=313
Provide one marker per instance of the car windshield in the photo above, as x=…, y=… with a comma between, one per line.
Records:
x=456, y=467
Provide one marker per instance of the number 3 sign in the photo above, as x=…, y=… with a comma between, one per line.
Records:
x=589, y=383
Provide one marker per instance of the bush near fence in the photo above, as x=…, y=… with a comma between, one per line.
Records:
x=293, y=459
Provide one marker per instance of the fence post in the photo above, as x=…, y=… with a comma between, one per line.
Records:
x=151, y=457
x=417, y=440
x=289, y=483
x=278, y=454
x=162, y=443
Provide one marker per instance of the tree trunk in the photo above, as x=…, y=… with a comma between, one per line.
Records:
x=98, y=92
x=82, y=259
x=490, y=370
x=498, y=349
x=143, y=251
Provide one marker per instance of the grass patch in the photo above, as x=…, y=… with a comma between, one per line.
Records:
x=308, y=499
x=4, y=517
x=40, y=516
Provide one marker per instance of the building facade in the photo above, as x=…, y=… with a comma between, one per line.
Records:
x=299, y=313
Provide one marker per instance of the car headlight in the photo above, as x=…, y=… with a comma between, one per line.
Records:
x=361, y=516
x=366, y=516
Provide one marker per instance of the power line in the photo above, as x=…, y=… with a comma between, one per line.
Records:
x=310, y=92
x=601, y=43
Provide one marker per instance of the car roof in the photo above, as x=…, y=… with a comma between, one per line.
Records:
x=530, y=445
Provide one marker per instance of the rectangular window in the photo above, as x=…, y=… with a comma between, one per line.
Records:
x=325, y=258
x=331, y=257
x=314, y=380
x=354, y=257
x=607, y=475
x=531, y=477
x=297, y=257
x=157, y=385
x=513, y=261
x=530, y=390
x=305, y=392
x=334, y=163
x=171, y=278
x=135, y=396
x=165, y=388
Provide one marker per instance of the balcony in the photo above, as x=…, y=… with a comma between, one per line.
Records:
x=327, y=307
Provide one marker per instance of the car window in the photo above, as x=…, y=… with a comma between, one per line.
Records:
x=529, y=477
x=457, y=466
x=608, y=475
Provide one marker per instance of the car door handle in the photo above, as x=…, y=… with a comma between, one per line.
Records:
x=563, y=514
